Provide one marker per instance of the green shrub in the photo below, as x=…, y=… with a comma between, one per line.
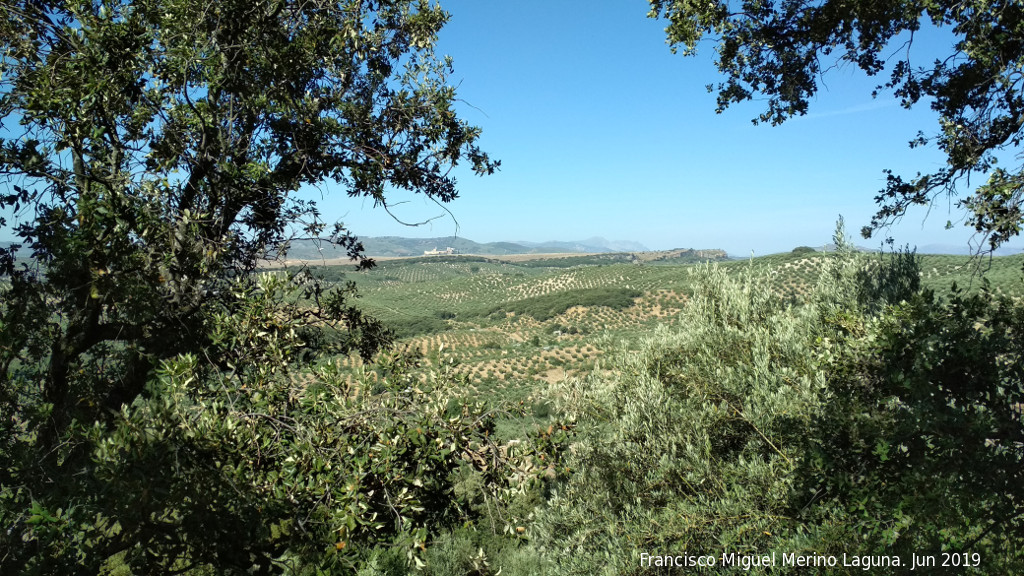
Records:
x=409, y=326
x=859, y=422
x=921, y=438
x=258, y=471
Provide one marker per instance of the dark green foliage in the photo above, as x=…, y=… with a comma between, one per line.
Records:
x=895, y=277
x=548, y=306
x=263, y=476
x=407, y=326
x=800, y=250
x=923, y=433
x=563, y=329
x=152, y=409
x=156, y=147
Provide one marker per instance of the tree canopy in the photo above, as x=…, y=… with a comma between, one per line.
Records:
x=155, y=148
x=150, y=156
x=781, y=50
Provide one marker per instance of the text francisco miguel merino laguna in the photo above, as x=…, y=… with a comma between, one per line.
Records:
x=866, y=562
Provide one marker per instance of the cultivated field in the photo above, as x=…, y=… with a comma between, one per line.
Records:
x=511, y=326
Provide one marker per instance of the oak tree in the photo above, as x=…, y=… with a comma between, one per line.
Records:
x=151, y=153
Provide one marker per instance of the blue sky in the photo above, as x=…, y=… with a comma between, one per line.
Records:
x=602, y=131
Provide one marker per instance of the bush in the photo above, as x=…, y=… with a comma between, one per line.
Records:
x=283, y=474
x=410, y=326
x=690, y=445
x=921, y=439
x=854, y=423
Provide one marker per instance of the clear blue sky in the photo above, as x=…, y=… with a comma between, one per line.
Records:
x=602, y=131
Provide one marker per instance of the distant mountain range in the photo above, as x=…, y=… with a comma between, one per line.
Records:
x=595, y=244
x=392, y=246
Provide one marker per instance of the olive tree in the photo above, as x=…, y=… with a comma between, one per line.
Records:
x=782, y=49
x=150, y=158
x=870, y=419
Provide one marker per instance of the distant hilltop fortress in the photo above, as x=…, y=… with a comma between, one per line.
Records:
x=435, y=252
